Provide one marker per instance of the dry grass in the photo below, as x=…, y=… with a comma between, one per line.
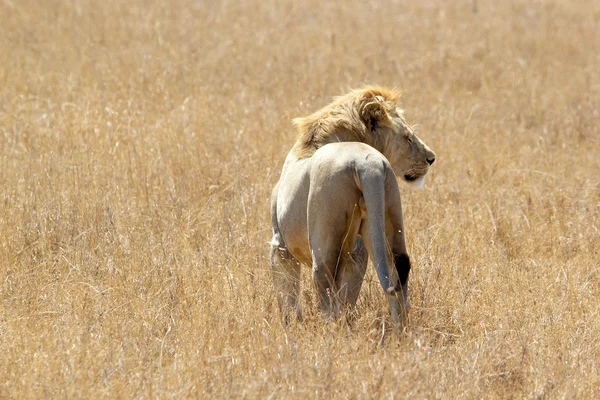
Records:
x=139, y=143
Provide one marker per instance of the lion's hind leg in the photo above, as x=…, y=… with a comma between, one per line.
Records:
x=351, y=274
x=286, y=280
x=332, y=235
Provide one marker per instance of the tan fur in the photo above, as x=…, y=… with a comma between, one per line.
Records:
x=337, y=200
x=344, y=113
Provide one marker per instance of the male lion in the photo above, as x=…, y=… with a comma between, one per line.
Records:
x=337, y=202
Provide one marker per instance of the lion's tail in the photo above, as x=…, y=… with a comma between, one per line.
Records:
x=372, y=183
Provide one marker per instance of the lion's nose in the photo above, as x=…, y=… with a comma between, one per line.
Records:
x=431, y=160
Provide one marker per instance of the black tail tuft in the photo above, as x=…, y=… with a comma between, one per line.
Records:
x=402, y=263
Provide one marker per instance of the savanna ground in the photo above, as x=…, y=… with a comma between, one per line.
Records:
x=139, y=143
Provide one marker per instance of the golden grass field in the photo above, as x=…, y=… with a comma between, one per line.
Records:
x=140, y=141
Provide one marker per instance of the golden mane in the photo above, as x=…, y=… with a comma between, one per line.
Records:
x=350, y=117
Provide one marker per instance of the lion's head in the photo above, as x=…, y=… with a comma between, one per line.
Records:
x=370, y=115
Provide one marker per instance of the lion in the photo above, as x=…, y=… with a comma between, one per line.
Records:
x=337, y=202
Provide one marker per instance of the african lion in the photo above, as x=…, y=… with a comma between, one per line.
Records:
x=337, y=202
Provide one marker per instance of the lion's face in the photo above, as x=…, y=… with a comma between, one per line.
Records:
x=412, y=158
x=369, y=115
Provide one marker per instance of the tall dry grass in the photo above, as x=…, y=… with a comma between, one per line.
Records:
x=139, y=142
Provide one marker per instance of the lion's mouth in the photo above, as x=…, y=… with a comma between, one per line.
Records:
x=415, y=179
x=415, y=174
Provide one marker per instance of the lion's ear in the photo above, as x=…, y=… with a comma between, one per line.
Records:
x=373, y=112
